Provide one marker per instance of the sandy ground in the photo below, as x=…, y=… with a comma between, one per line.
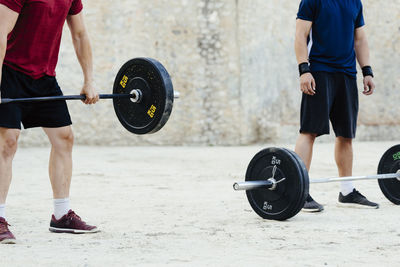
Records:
x=175, y=206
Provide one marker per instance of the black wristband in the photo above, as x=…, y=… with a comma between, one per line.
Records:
x=304, y=68
x=367, y=71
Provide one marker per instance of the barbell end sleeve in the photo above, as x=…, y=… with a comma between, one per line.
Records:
x=250, y=185
x=236, y=186
x=177, y=95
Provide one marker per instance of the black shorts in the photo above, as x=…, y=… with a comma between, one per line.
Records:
x=51, y=114
x=336, y=99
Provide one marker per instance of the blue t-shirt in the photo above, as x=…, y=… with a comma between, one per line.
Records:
x=331, y=41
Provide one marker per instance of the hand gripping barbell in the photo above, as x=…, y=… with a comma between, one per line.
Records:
x=143, y=96
x=277, y=181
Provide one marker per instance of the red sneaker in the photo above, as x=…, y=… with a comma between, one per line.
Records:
x=6, y=237
x=71, y=223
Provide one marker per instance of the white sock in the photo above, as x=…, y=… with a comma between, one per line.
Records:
x=3, y=211
x=346, y=187
x=61, y=207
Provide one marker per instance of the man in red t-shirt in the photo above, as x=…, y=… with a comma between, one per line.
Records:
x=30, y=36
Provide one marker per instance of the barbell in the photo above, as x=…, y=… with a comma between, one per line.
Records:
x=277, y=182
x=143, y=96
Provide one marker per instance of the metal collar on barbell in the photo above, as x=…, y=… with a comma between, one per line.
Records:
x=136, y=96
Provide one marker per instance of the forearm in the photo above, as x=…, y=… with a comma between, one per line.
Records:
x=84, y=53
x=301, y=49
x=362, y=51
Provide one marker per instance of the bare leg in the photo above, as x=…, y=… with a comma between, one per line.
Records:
x=304, y=147
x=8, y=147
x=344, y=161
x=60, y=164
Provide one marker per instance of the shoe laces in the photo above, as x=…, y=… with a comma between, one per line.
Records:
x=358, y=193
x=72, y=215
x=4, y=226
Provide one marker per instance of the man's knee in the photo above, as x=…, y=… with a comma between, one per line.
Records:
x=344, y=141
x=308, y=137
x=9, y=144
x=64, y=140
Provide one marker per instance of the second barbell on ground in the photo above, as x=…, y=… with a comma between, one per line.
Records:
x=277, y=181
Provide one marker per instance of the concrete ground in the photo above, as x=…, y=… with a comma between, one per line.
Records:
x=176, y=206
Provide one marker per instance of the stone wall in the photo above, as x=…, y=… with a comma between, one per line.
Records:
x=233, y=63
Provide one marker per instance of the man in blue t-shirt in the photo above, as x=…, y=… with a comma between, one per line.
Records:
x=329, y=37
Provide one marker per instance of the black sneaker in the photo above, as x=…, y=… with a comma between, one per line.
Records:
x=355, y=199
x=312, y=206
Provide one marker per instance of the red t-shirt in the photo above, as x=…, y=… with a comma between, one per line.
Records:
x=34, y=43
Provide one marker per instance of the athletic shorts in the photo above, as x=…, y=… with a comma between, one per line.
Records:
x=336, y=99
x=52, y=114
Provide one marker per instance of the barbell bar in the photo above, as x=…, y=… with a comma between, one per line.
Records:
x=356, y=178
x=270, y=183
x=277, y=181
x=135, y=96
x=143, y=96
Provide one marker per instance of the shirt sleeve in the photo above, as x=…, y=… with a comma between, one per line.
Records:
x=307, y=10
x=360, y=18
x=76, y=7
x=15, y=5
